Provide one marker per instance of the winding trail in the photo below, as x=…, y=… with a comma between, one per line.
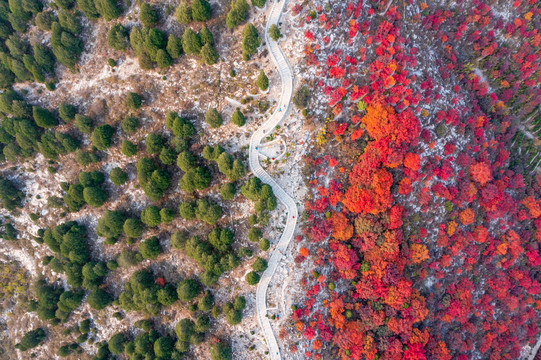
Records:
x=292, y=213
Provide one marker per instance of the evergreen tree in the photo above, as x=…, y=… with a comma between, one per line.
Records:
x=117, y=37
x=200, y=10
x=128, y=148
x=43, y=118
x=174, y=46
x=191, y=43
x=129, y=124
x=250, y=41
x=228, y=191
x=163, y=60
x=237, y=14
x=118, y=176
x=206, y=36
x=67, y=112
x=31, y=339
x=133, y=101
x=69, y=22
x=99, y=299
x=148, y=15
x=133, y=228
x=188, y=289
x=88, y=8
x=238, y=118
x=183, y=13
x=84, y=124
x=252, y=278
x=102, y=137
x=150, y=248
x=209, y=54
x=262, y=81
x=274, y=32
x=213, y=118
x=109, y=9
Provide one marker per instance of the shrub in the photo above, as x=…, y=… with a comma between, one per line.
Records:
x=154, y=143
x=213, y=118
x=117, y=37
x=174, y=46
x=250, y=41
x=252, y=278
x=191, y=43
x=133, y=101
x=118, y=176
x=187, y=210
x=274, y=32
x=67, y=112
x=200, y=10
x=94, y=196
x=99, y=299
x=102, y=137
x=238, y=118
x=262, y=81
x=209, y=54
x=187, y=290
x=150, y=248
x=259, y=265
x=259, y=3
x=43, y=118
x=183, y=13
x=84, y=124
x=228, y=191
x=128, y=148
x=150, y=216
x=302, y=97
x=147, y=14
